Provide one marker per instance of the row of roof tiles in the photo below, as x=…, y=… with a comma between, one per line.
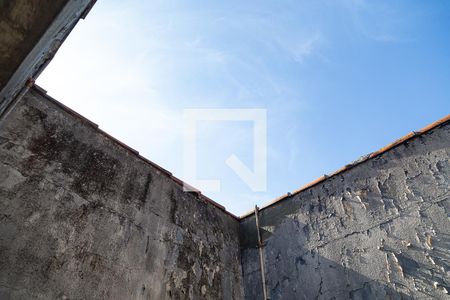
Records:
x=163, y=171
x=359, y=161
x=321, y=179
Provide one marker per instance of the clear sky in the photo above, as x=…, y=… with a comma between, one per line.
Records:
x=339, y=79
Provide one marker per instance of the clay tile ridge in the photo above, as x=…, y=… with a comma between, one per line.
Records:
x=163, y=171
x=321, y=179
x=359, y=161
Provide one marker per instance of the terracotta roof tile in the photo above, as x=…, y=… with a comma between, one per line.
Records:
x=132, y=151
x=347, y=167
x=360, y=160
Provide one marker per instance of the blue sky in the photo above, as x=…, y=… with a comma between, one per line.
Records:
x=339, y=79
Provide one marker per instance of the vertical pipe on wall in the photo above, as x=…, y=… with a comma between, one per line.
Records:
x=261, y=256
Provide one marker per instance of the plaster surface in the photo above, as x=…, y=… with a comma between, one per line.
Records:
x=379, y=230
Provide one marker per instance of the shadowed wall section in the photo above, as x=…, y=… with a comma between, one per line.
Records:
x=379, y=230
x=83, y=217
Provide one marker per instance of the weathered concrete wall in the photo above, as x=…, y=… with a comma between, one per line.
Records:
x=379, y=230
x=84, y=218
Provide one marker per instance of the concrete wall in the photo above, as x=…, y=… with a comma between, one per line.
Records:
x=379, y=230
x=82, y=217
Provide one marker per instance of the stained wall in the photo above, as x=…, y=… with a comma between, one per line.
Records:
x=84, y=217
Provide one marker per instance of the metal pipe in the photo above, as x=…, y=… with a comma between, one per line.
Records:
x=261, y=254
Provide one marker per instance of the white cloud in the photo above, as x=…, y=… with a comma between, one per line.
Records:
x=306, y=47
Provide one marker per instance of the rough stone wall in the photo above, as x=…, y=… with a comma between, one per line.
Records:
x=379, y=230
x=81, y=217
